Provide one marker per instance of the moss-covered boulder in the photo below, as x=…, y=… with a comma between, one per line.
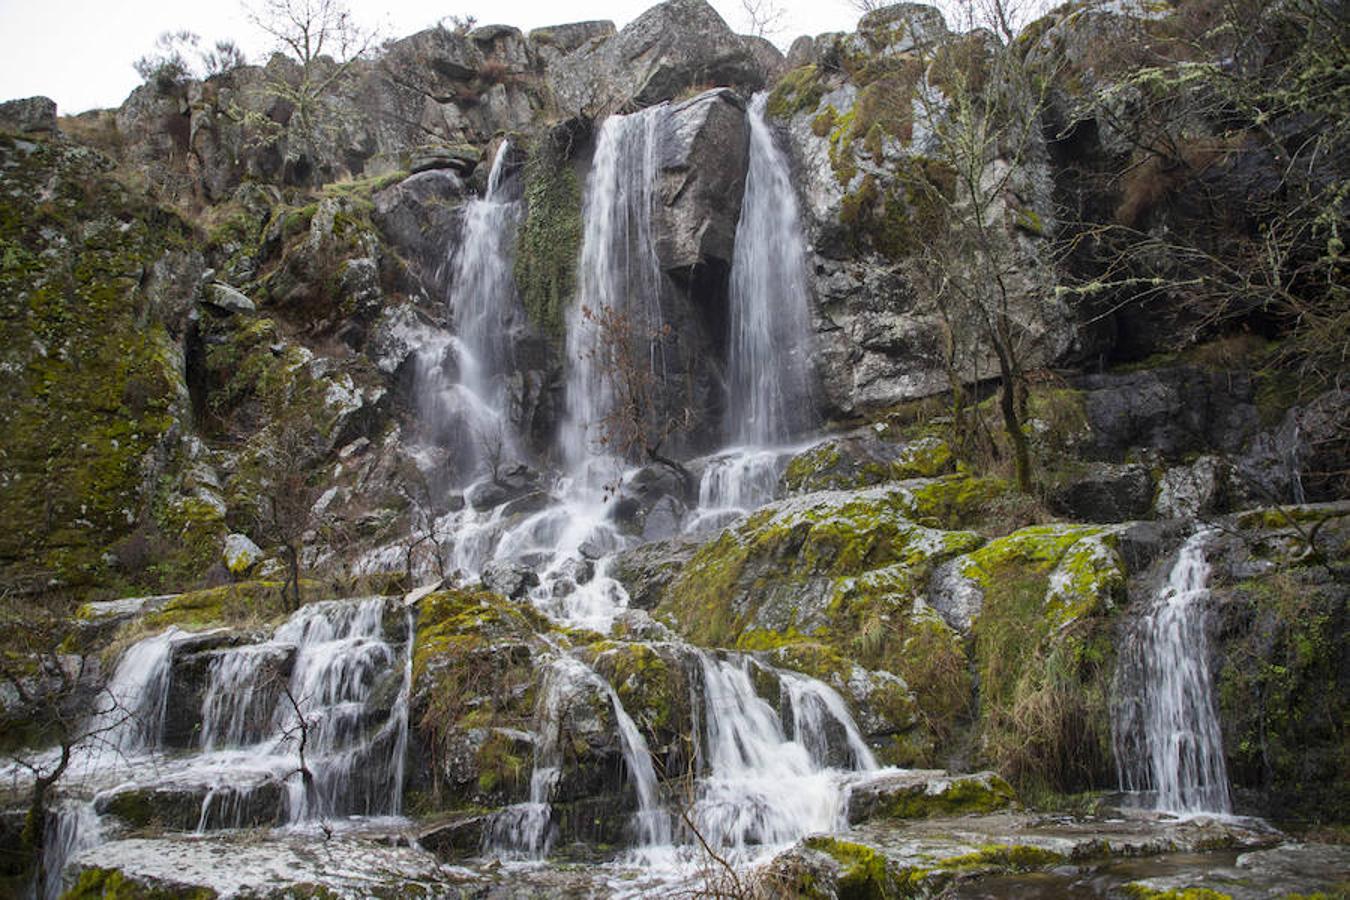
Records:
x=1280, y=592
x=862, y=459
x=925, y=795
x=656, y=683
x=833, y=584
x=1043, y=644
x=473, y=698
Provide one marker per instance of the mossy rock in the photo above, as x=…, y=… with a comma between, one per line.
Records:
x=863, y=460
x=1139, y=891
x=651, y=682
x=832, y=584
x=1043, y=644
x=1283, y=693
x=927, y=795
x=781, y=568
x=863, y=872
x=110, y=884
x=248, y=602
x=549, y=241
x=798, y=91
x=474, y=681
x=94, y=388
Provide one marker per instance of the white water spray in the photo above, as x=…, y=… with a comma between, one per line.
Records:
x=1166, y=728
x=770, y=301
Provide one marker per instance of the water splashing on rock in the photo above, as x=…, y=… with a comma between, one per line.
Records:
x=1166, y=729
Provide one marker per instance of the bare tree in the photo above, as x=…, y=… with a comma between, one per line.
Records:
x=326, y=42
x=284, y=513
x=492, y=447
x=766, y=17
x=176, y=59
x=170, y=64
x=53, y=693
x=1235, y=190
x=643, y=416
x=987, y=120
x=424, y=535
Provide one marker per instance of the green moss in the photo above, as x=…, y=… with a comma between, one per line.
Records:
x=1006, y=858
x=963, y=796
x=550, y=237
x=472, y=669
x=1144, y=892
x=499, y=767
x=233, y=604
x=1044, y=653
x=898, y=218
x=834, y=465
x=1282, y=695
x=954, y=501
x=1281, y=517
x=823, y=124
x=863, y=872
x=653, y=692
x=798, y=91
x=92, y=388
x=110, y=884
x=805, y=470
x=455, y=618
x=1029, y=220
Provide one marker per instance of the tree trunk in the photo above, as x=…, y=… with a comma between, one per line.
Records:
x=290, y=591
x=1012, y=422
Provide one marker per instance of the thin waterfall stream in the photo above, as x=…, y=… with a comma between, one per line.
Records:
x=1165, y=725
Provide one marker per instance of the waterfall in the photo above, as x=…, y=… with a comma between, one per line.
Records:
x=618, y=272
x=770, y=301
x=761, y=786
x=71, y=827
x=527, y=828
x=459, y=380
x=353, y=755
x=130, y=719
x=482, y=292
x=1165, y=727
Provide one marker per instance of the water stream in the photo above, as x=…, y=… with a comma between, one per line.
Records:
x=770, y=301
x=1169, y=749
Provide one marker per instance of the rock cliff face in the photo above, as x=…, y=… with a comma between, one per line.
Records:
x=257, y=359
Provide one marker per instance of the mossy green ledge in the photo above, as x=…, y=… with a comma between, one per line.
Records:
x=832, y=584
x=1042, y=630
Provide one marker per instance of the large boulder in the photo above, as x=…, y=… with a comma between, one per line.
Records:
x=703, y=169
x=553, y=42
x=1279, y=595
x=670, y=47
x=29, y=115
x=1172, y=411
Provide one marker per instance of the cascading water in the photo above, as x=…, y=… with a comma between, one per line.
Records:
x=329, y=679
x=526, y=828
x=131, y=717
x=770, y=301
x=1165, y=727
x=618, y=272
x=72, y=826
x=482, y=291
x=460, y=380
x=762, y=787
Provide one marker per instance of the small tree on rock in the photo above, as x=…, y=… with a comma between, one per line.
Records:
x=642, y=416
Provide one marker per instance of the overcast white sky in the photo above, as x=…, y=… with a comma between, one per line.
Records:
x=79, y=52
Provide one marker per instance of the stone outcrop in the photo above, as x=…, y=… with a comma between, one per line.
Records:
x=669, y=48
x=28, y=116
